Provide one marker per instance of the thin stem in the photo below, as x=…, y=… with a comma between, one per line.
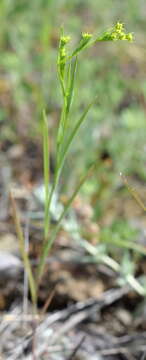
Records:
x=55, y=231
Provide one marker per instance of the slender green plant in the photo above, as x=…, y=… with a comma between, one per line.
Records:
x=66, y=67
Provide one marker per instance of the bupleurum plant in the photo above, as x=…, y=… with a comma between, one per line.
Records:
x=66, y=67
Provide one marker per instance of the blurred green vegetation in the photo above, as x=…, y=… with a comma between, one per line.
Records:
x=116, y=127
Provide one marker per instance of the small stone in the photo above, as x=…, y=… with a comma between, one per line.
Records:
x=10, y=265
x=124, y=316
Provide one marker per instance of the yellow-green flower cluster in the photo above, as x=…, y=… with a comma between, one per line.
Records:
x=64, y=40
x=116, y=33
x=62, y=53
x=119, y=27
x=86, y=36
x=85, y=39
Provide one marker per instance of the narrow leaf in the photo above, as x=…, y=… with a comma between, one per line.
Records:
x=73, y=134
x=70, y=88
x=134, y=193
x=68, y=97
x=55, y=231
x=131, y=245
x=46, y=171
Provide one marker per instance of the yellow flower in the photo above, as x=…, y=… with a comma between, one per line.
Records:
x=64, y=40
x=86, y=36
x=119, y=27
x=129, y=37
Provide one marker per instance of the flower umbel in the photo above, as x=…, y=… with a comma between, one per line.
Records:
x=86, y=36
x=116, y=33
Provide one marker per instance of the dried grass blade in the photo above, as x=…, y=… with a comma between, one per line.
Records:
x=22, y=250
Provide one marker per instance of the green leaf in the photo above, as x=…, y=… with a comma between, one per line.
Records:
x=70, y=88
x=52, y=238
x=73, y=134
x=46, y=171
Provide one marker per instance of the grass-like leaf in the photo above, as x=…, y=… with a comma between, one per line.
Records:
x=67, y=100
x=50, y=241
x=73, y=134
x=130, y=245
x=133, y=192
x=70, y=85
x=46, y=172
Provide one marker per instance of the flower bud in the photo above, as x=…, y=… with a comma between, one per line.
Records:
x=64, y=40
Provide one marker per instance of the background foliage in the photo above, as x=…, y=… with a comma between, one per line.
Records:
x=116, y=127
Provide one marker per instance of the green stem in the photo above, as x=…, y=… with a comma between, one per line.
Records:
x=55, y=231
